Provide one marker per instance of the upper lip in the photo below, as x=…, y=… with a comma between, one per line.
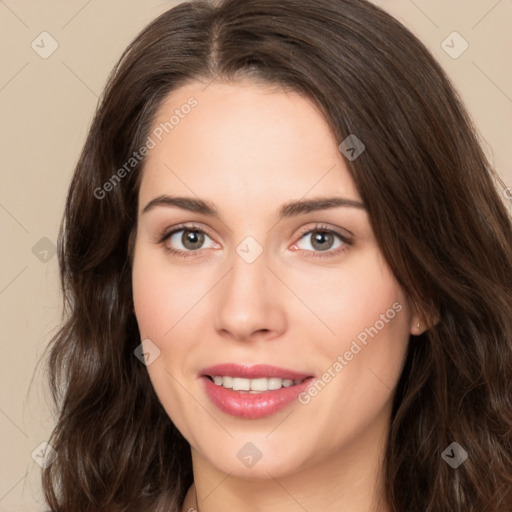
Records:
x=252, y=372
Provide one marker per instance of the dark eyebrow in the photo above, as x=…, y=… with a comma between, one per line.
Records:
x=290, y=209
x=185, y=203
x=322, y=203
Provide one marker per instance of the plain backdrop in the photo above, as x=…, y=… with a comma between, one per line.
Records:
x=47, y=102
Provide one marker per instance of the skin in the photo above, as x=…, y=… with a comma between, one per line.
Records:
x=249, y=149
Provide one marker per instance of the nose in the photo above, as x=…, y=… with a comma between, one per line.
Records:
x=250, y=302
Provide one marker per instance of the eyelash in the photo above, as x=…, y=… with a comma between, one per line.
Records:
x=347, y=242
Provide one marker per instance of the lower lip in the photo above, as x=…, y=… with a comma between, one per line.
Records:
x=252, y=405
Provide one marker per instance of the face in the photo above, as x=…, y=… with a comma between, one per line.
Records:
x=252, y=269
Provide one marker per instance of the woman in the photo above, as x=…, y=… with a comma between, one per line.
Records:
x=287, y=274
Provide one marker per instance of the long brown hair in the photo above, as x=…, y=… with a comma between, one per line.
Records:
x=433, y=204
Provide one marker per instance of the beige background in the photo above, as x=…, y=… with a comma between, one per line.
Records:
x=46, y=106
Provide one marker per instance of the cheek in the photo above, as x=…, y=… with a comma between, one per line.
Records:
x=162, y=294
x=358, y=298
x=170, y=312
x=361, y=358
x=162, y=300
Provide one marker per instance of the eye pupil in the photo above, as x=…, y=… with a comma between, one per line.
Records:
x=195, y=238
x=320, y=239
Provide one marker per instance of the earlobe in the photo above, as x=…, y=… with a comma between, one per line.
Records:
x=416, y=327
x=419, y=325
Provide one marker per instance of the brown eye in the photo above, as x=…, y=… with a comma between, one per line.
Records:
x=192, y=239
x=186, y=241
x=322, y=240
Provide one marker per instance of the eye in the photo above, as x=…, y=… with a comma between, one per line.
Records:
x=322, y=239
x=185, y=240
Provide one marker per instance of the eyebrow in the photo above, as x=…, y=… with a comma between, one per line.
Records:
x=290, y=209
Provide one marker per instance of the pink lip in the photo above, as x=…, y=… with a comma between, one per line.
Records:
x=252, y=405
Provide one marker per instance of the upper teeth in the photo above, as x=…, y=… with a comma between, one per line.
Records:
x=262, y=384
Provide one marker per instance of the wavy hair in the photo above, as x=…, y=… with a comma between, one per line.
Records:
x=434, y=207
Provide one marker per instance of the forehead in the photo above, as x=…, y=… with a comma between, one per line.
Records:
x=243, y=141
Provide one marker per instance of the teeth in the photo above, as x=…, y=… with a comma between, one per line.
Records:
x=241, y=384
x=254, y=385
x=275, y=383
x=258, y=384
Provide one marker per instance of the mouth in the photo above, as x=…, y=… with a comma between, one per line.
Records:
x=253, y=386
x=252, y=392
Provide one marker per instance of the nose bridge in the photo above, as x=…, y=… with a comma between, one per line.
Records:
x=249, y=299
x=245, y=278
